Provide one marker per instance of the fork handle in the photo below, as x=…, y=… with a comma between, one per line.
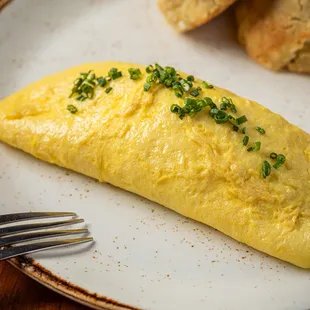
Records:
x=11, y=252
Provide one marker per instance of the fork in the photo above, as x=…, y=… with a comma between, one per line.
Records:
x=12, y=236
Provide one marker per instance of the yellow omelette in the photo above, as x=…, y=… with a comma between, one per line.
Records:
x=148, y=142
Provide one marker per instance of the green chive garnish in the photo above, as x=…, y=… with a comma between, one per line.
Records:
x=255, y=147
x=178, y=90
x=219, y=116
x=72, y=109
x=185, y=85
x=260, y=130
x=210, y=102
x=147, y=86
x=135, y=73
x=175, y=108
x=227, y=102
x=149, y=69
x=114, y=73
x=195, y=92
x=108, y=89
x=273, y=155
x=206, y=85
x=280, y=161
x=90, y=81
x=246, y=140
x=81, y=97
x=240, y=120
x=83, y=86
x=223, y=106
x=266, y=169
x=191, y=107
x=170, y=78
x=102, y=81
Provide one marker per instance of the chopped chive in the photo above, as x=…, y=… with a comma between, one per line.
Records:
x=223, y=106
x=170, y=71
x=152, y=78
x=235, y=128
x=85, y=74
x=114, y=73
x=195, y=92
x=227, y=102
x=280, y=161
x=243, y=130
x=213, y=111
x=219, y=116
x=189, y=101
x=210, y=102
x=185, y=85
x=108, y=90
x=175, y=108
x=84, y=86
x=178, y=90
x=246, y=140
x=273, y=155
x=206, y=85
x=260, y=130
x=240, y=120
x=266, y=169
x=149, y=69
x=90, y=94
x=78, y=82
x=191, y=107
x=255, y=147
x=147, y=86
x=168, y=83
x=233, y=108
x=81, y=97
x=102, y=81
x=190, y=78
x=72, y=109
x=135, y=73
x=90, y=82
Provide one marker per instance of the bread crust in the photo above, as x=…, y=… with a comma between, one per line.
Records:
x=276, y=33
x=185, y=15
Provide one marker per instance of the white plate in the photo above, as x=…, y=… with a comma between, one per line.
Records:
x=144, y=256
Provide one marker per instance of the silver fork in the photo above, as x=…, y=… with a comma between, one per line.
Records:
x=12, y=236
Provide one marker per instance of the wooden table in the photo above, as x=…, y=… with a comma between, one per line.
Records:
x=19, y=292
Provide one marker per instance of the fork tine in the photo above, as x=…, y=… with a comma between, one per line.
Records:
x=21, y=238
x=17, y=217
x=32, y=248
x=36, y=226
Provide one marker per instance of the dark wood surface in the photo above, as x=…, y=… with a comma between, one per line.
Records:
x=19, y=292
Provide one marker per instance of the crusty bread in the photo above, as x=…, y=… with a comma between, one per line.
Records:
x=185, y=15
x=276, y=33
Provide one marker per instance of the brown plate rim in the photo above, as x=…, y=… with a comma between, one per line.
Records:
x=36, y=271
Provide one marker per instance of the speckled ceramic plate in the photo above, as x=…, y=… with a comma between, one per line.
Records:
x=145, y=256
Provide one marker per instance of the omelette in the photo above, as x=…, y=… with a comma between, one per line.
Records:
x=184, y=143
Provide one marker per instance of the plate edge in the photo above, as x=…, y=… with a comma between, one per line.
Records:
x=37, y=272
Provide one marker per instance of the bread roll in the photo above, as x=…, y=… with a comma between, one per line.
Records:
x=276, y=33
x=185, y=15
